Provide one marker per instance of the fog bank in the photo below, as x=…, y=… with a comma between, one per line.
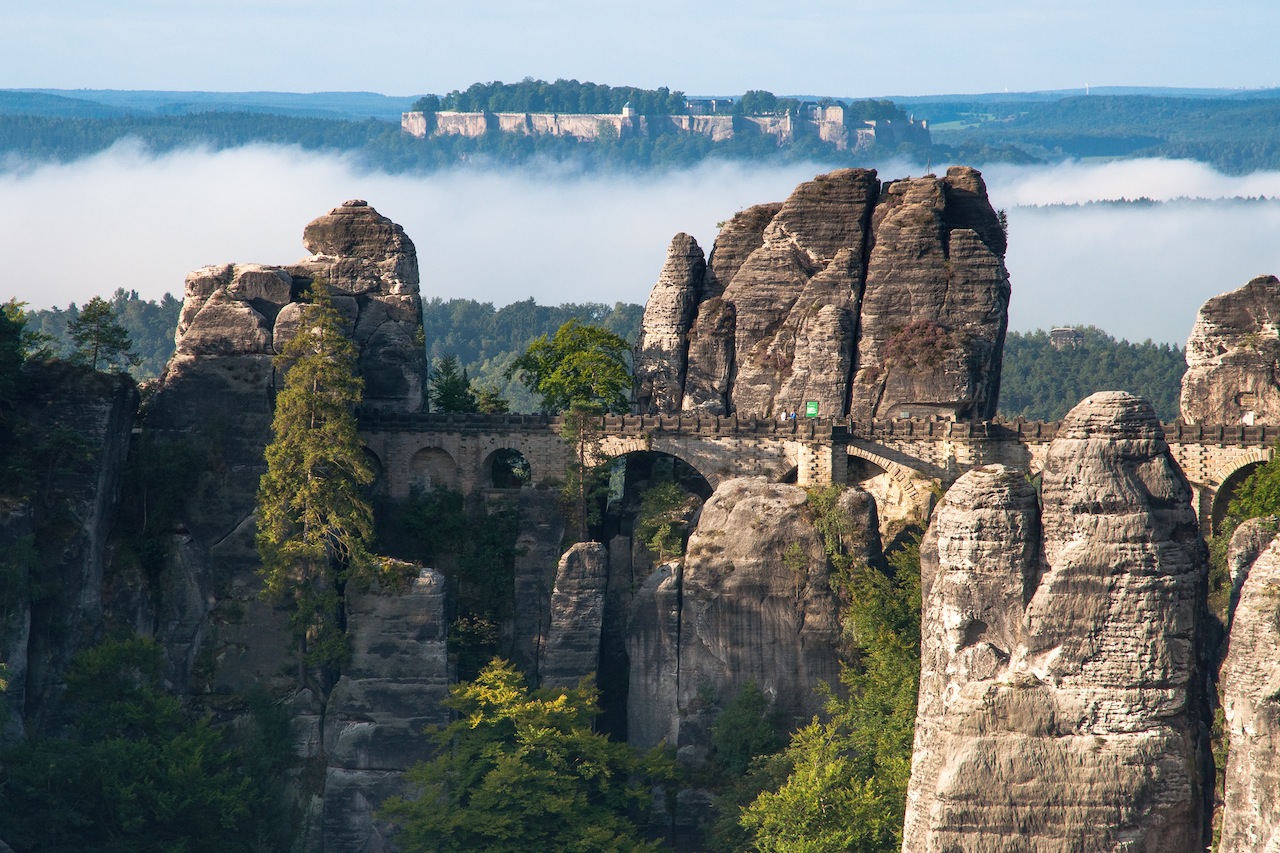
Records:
x=127, y=219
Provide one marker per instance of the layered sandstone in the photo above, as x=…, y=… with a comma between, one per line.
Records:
x=661, y=352
x=871, y=300
x=577, y=616
x=1233, y=358
x=215, y=401
x=1251, y=705
x=1062, y=704
x=391, y=690
x=751, y=602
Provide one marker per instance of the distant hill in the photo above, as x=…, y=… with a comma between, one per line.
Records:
x=113, y=102
x=1233, y=130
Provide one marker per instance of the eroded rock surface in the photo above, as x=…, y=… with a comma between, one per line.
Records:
x=752, y=602
x=389, y=692
x=1233, y=358
x=215, y=402
x=662, y=351
x=1250, y=703
x=577, y=616
x=872, y=300
x=1062, y=702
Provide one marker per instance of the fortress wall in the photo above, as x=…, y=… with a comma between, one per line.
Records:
x=460, y=124
x=719, y=128
x=587, y=126
x=515, y=123
x=414, y=124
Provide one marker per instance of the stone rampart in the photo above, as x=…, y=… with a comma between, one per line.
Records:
x=588, y=126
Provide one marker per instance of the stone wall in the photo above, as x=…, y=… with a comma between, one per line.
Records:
x=588, y=126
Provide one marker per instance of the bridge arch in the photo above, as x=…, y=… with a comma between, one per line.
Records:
x=1225, y=480
x=432, y=467
x=506, y=468
x=908, y=493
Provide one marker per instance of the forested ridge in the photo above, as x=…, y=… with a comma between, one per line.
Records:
x=1236, y=134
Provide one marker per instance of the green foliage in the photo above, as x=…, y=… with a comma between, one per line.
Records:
x=133, y=772
x=98, y=337
x=486, y=339
x=562, y=96
x=1235, y=135
x=159, y=475
x=1258, y=494
x=521, y=771
x=315, y=523
x=150, y=326
x=848, y=774
x=579, y=364
x=451, y=389
x=1039, y=382
x=662, y=523
x=586, y=480
x=746, y=728
x=489, y=401
x=477, y=556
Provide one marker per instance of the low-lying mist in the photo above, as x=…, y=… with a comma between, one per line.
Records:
x=128, y=219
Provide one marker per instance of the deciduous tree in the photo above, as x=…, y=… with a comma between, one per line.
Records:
x=520, y=771
x=579, y=364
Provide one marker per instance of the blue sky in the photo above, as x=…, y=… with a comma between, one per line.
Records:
x=860, y=48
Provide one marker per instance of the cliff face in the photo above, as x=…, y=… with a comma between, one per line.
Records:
x=871, y=300
x=1062, y=703
x=216, y=400
x=1233, y=357
x=752, y=602
x=81, y=422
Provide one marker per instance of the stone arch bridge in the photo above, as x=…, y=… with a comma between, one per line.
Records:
x=912, y=457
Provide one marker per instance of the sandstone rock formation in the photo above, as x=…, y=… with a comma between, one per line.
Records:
x=1251, y=704
x=83, y=421
x=751, y=602
x=871, y=300
x=662, y=351
x=215, y=400
x=389, y=692
x=577, y=616
x=1062, y=701
x=1233, y=358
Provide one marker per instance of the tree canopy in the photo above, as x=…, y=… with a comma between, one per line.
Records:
x=98, y=337
x=450, y=389
x=132, y=772
x=520, y=771
x=579, y=364
x=848, y=774
x=315, y=523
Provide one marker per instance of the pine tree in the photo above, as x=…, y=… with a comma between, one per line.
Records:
x=315, y=524
x=99, y=337
x=450, y=389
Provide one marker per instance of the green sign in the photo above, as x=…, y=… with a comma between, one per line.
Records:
x=811, y=409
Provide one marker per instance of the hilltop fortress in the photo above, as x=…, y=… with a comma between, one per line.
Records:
x=830, y=124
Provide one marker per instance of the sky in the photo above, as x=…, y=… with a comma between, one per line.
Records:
x=816, y=47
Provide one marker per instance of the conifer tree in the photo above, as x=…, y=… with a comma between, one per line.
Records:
x=315, y=524
x=450, y=389
x=98, y=336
